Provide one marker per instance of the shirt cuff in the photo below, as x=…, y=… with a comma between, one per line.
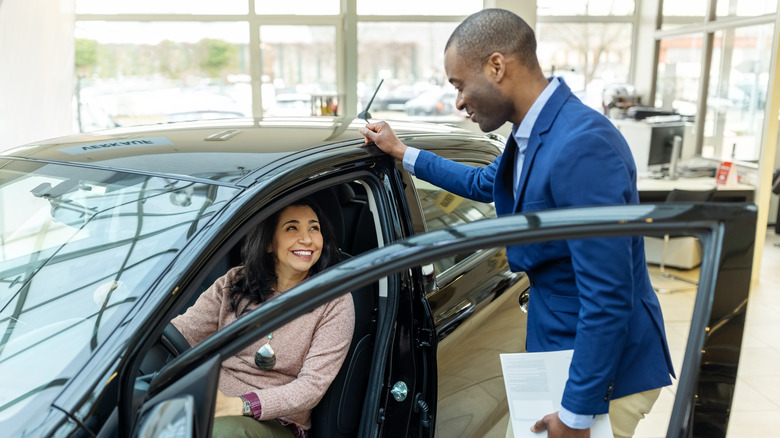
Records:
x=575, y=421
x=254, y=403
x=410, y=157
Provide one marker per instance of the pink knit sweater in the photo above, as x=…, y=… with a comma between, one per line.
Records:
x=309, y=353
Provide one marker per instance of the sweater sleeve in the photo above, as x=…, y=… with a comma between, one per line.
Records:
x=327, y=352
x=202, y=318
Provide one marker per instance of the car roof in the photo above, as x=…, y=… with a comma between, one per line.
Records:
x=221, y=151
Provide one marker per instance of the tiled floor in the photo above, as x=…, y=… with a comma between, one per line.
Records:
x=756, y=404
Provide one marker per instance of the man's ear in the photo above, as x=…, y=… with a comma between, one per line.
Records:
x=495, y=67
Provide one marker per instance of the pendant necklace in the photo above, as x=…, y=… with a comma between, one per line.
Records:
x=265, y=358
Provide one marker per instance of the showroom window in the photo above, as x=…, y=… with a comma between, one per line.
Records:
x=588, y=44
x=130, y=73
x=197, y=7
x=297, y=7
x=417, y=7
x=679, y=74
x=299, y=70
x=589, y=8
x=745, y=8
x=717, y=72
x=676, y=14
x=412, y=68
x=139, y=62
x=739, y=77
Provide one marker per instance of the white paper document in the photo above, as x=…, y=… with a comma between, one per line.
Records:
x=534, y=387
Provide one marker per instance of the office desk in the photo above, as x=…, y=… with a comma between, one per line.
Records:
x=655, y=190
x=684, y=252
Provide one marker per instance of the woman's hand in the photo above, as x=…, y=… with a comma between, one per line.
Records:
x=227, y=406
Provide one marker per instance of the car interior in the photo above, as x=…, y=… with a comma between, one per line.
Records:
x=348, y=209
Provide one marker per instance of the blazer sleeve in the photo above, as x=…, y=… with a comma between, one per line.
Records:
x=470, y=182
x=597, y=171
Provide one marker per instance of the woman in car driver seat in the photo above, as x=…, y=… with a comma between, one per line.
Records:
x=270, y=388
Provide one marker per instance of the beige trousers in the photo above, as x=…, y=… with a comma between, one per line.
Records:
x=624, y=413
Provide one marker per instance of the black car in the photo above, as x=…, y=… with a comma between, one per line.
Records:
x=107, y=236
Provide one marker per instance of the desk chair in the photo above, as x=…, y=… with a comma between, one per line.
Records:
x=679, y=195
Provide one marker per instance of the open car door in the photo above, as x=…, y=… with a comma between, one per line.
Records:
x=706, y=381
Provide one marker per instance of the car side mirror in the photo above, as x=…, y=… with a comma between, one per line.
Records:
x=172, y=418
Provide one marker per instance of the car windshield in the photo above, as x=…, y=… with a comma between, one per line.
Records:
x=78, y=247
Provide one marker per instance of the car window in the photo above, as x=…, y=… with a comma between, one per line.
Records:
x=443, y=209
x=78, y=247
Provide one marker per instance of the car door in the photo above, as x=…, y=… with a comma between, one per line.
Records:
x=359, y=192
x=470, y=294
x=725, y=232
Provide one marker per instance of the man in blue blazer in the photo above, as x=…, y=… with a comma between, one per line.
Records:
x=590, y=295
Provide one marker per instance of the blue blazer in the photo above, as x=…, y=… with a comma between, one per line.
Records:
x=590, y=295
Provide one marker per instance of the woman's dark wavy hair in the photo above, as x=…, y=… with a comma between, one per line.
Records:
x=258, y=273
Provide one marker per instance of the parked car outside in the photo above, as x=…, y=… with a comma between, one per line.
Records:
x=107, y=236
x=433, y=103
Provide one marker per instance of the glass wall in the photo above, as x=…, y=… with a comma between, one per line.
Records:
x=588, y=8
x=417, y=7
x=679, y=74
x=731, y=53
x=412, y=68
x=296, y=7
x=745, y=8
x=588, y=56
x=197, y=7
x=676, y=14
x=588, y=44
x=299, y=69
x=736, y=101
x=132, y=72
x=158, y=61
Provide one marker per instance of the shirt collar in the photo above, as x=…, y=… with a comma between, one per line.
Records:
x=523, y=131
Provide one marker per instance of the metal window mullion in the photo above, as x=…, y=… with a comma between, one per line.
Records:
x=347, y=47
x=255, y=61
x=701, y=107
x=717, y=24
x=656, y=53
x=635, y=22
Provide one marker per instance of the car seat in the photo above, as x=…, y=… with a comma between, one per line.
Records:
x=338, y=414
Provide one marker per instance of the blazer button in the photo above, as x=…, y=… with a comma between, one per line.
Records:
x=610, y=389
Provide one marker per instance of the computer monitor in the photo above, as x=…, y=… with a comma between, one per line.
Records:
x=661, y=144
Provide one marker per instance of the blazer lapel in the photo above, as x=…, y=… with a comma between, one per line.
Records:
x=535, y=141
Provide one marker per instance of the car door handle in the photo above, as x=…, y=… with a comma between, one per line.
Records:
x=449, y=320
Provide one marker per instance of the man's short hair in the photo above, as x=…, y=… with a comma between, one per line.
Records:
x=494, y=30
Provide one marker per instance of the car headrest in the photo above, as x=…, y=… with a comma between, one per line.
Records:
x=330, y=206
x=345, y=193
